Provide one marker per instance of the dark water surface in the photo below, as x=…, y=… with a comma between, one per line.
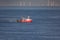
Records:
x=45, y=25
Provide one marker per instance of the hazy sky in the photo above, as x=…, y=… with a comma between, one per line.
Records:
x=23, y=0
x=34, y=2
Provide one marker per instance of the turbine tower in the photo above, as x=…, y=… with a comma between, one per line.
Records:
x=30, y=4
x=48, y=2
x=23, y=4
x=20, y=3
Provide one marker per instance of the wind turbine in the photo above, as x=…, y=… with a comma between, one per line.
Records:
x=23, y=4
x=20, y=3
x=30, y=4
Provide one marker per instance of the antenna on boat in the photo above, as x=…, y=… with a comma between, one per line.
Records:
x=28, y=17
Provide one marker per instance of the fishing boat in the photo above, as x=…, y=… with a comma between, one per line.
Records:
x=25, y=20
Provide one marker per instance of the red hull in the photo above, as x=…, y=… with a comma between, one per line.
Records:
x=25, y=21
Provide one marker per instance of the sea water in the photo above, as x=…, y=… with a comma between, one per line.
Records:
x=45, y=25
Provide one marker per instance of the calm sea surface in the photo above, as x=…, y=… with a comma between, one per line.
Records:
x=45, y=25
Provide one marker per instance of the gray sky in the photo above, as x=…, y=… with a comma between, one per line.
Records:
x=33, y=2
